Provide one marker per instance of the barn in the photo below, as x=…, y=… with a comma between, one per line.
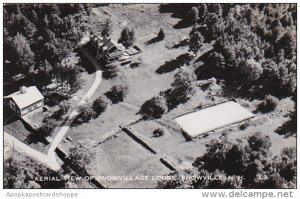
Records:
x=211, y=118
x=25, y=101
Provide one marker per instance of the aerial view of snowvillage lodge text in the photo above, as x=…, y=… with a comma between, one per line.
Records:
x=160, y=96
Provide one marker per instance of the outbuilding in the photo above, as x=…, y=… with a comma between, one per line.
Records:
x=26, y=100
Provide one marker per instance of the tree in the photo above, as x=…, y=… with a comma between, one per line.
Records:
x=280, y=77
x=176, y=181
x=195, y=14
x=202, y=11
x=155, y=107
x=251, y=72
x=99, y=105
x=110, y=70
x=106, y=28
x=196, y=42
x=258, y=142
x=183, y=87
x=269, y=104
x=127, y=37
x=117, y=93
x=24, y=55
x=64, y=106
x=46, y=129
x=79, y=157
x=161, y=34
x=85, y=113
x=43, y=75
x=215, y=152
x=217, y=9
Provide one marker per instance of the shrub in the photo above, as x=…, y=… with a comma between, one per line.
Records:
x=155, y=107
x=127, y=37
x=64, y=106
x=85, y=113
x=46, y=128
x=117, y=93
x=269, y=104
x=106, y=30
x=244, y=126
x=196, y=42
x=99, y=105
x=158, y=132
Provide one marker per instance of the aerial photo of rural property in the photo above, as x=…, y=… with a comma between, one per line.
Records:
x=198, y=95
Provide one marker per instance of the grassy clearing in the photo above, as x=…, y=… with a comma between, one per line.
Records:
x=125, y=158
x=143, y=82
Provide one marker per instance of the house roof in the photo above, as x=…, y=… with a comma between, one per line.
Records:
x=30, y=96
x=106, y=42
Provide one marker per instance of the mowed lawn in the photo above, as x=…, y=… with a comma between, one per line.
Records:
x=143, y=82
x=122, y=156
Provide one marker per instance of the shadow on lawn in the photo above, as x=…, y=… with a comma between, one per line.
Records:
x=182, y=43
x=179, y=61
x=184, y=23
x=180, y=11
x=289, y=128
x=153, y=40
x=84, y=61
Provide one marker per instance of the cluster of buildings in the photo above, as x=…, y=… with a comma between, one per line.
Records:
x=108, y=49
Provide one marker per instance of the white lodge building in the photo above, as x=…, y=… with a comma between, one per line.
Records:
x=26, y=100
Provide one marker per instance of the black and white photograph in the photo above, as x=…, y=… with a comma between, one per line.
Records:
x=149, y=95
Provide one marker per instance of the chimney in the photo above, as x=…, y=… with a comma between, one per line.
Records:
x=22, y=89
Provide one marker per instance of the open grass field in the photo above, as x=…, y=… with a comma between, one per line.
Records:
x=122, y=156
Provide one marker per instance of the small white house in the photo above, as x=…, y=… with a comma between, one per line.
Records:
x=26, y=100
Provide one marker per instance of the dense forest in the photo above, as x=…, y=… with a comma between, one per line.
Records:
x=255, y=45
x=38, y=37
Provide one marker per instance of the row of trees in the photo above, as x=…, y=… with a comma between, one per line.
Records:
x=235, y=164
x=87, y=111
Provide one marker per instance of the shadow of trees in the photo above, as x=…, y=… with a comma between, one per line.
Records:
x=170, y=66
x=181, y=11
x=184, y=23
x=289, y=128
x=182, y=43
x=153, y=40
x=84, y=62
